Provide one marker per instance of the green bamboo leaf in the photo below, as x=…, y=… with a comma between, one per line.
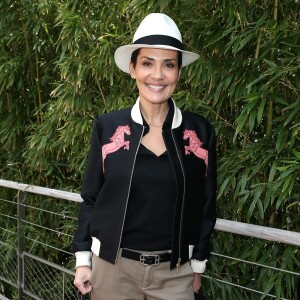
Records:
x=296, y=153
x=296, y=203
x=286, y=183
x=223, y=187
x=260, y=21
x=283, y=168
x=275, y=77
x=260, y=208
x=270, y=284
x=218, y=91
x=278, y=286
x=151, y=3
x=257, y=194
x=273, y=171
x=288, y=284
x=280, y=100
x=240, y=124
x=261, y=110
x=252, y=96
x=252, y=104
x=228, y=81
x=230, y=30
x=256, y=80
x=252, y=118
x=281, y=199
x=281, y=141
x=244, y=42
x=270, y=63
x=286, y=171
x=293, y=113
x=243, y=201
x=235, y=39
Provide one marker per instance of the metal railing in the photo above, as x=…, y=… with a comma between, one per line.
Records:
x=39, y=278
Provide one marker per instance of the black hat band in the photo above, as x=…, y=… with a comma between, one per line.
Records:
x=158, y=39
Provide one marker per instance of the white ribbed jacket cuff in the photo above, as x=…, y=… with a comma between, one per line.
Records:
x=198, y=266
x=83, y=258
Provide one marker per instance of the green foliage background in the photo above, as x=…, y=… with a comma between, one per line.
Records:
x=57, y=73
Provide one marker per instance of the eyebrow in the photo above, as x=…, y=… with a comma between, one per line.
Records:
x=165, y=60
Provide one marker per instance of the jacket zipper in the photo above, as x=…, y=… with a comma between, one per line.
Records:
x=180, y=227
x=129, y=193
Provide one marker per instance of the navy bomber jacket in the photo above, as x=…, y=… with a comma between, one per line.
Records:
x=190, y=143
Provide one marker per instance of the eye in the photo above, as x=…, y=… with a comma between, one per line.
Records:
x=146, y=63
x=170, y=65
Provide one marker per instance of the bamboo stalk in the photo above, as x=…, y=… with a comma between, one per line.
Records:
x=100, y=89
x=270, y=108
x=37, y=79
x=8, y=101
x=257, y=50
x=30, y=64
x=270, y=114
x=275, y=12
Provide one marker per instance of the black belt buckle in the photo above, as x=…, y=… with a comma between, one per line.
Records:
x=149, y=259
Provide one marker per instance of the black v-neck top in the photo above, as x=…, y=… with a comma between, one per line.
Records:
x=151, y=205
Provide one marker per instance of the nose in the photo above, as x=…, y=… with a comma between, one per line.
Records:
x=158, y=73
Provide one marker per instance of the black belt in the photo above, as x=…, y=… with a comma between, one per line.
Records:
x=146, y=258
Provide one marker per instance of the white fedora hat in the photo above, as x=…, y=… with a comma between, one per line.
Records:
x=156, y=30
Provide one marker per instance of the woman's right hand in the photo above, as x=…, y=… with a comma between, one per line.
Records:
x=82, y=279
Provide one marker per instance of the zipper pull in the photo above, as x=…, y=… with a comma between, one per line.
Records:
x=178, y=264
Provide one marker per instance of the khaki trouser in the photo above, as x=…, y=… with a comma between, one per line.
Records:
x=130, y=280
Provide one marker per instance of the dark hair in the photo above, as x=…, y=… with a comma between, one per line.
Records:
x=136, y=53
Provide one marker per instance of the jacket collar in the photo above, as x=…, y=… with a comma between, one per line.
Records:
x=138, y=118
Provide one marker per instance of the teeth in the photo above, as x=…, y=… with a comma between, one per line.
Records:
x=156, y=87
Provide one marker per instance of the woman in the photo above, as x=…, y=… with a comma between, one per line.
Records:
x=150, y=183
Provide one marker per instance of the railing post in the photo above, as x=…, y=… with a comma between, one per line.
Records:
x=297, y=290
x=63, y=289
x=21, y=244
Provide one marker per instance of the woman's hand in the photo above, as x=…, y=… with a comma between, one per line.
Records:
x=82, y=279
x=197, y=282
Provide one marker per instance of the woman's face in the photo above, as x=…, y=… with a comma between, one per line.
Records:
x=156, y=73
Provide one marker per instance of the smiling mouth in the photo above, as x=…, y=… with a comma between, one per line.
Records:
x=155, y=87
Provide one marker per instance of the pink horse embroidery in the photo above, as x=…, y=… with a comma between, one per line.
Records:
x=195, y=146
x=117, y=142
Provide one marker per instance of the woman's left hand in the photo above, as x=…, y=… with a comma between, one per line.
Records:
x=197, y=282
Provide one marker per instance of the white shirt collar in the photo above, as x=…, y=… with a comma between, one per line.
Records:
x=137, y=116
